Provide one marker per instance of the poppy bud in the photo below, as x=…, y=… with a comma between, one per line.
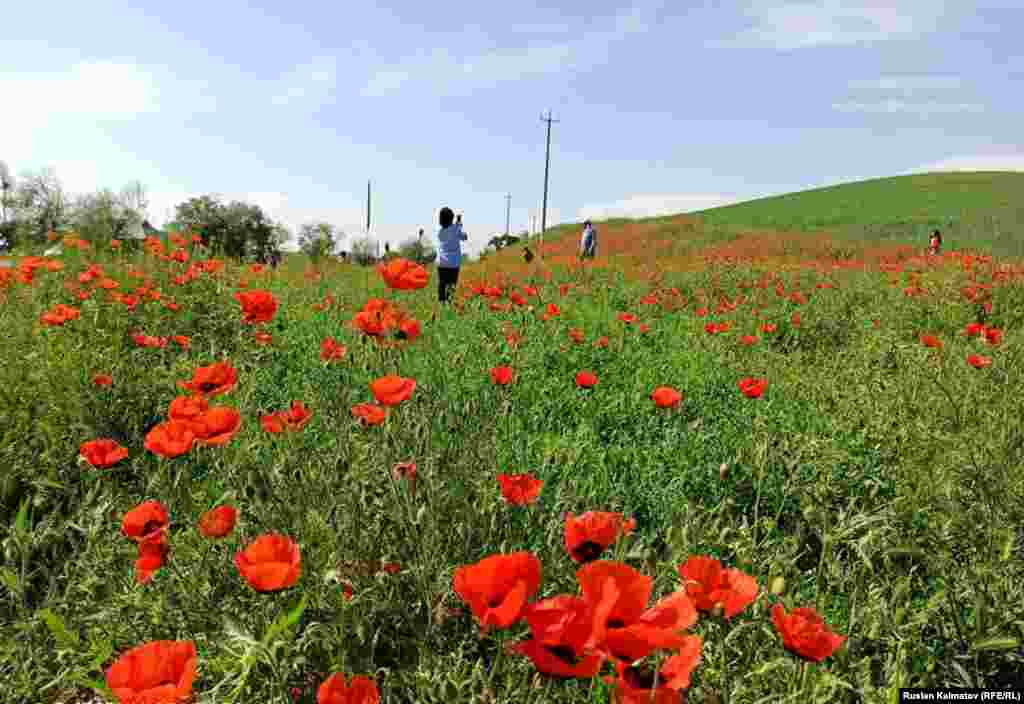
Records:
x=778, y=586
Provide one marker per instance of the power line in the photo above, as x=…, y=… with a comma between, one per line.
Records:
x=547, y=167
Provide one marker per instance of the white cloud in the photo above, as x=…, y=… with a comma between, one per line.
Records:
x=445, y=72
x=813, y=23
x=653, y=205
x=977, y=162
x=919, y=95
x=921, y=109
x=98, y=90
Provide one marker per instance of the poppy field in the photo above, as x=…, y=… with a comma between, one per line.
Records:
x=760, y=467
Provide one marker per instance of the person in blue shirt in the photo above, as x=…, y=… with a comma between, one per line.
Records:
x=588, y=242
x=449, y=253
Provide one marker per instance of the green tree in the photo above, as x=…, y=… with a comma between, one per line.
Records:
x=364, y=251
x=105, y=215
x=318, y=240
x=39, y=204
x=237, y=230
x=417, y=250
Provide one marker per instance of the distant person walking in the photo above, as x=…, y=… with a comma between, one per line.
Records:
x=588, y=242
x=935, y=243
x=449, y=253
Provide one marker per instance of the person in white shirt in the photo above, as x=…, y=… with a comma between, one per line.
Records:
x=449, y=253
x=588, y=242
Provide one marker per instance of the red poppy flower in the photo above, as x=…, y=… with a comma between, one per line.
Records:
x=273, y=423
x=218, y=378
x=769, y=327
x=188, y=409
x=103, y=380
x=623, y=627
x=710, y=585
x=217, y=426
x=369, y=413
x=591, y=533
x=666, y=397
x=635, y=684
x=103, y=453
x=576, y=335
x=748, y=340
x=331, y=350
x=993, y=336
x=498, y=587
x=391, y=390
x=753, y=388
x=403, y=275
x=152, y=553
x=978, y=361
x=158, y=671
x=974, y=329
x=520, y=489
x=406, y=471
x=218, y=522
x=804, y=632
x=560, y=627
x=602, y=342
x=183, y=341
x=146, y=521
x=263, y=338
x=334, y=690
x=297, y=416
x=170, y=439
x=60, y=314
x=627, y=318
x=552, y=311
x=586, y=380
x=408, y=330
x=257, y=306
x=272, y=562
x=931, y=341
x=501, y=376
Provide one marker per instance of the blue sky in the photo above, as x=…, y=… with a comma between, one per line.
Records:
x=663, y=106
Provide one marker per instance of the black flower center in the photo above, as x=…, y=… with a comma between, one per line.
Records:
x=589, y=551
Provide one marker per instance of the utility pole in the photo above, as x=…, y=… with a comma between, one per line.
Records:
x=547, y=166
x=367, y=208
x=508, y=211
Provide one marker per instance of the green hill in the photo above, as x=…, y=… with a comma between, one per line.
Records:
x=983, y=209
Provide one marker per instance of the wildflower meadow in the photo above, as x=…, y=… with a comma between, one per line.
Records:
x=745, y=467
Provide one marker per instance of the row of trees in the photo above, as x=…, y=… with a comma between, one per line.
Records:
x=36, y=203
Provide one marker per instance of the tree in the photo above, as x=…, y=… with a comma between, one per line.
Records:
x=7, y=186
x=319, y=240
x=8, y=225
x=418, y=251
x=106, y=215
x=237, y=230
x=364, y=251
x=40, y=204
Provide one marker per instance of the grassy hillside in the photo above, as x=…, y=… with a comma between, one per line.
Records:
x=982, y=208
x=972, y=209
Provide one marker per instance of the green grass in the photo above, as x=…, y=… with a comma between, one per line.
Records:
x=880, y=478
